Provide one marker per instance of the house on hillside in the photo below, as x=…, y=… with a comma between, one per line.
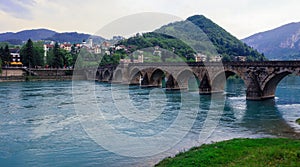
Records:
x=66, y=46
x=97, y=50
x=121, y=47
x=105, y=45
x=240, y=58
x=200, y=57
x=217, y=58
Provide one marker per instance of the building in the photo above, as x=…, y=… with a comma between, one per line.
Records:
x=97, y=50
x=15, y=57
x=240, y=58
x=66, y=46
x=217, y=58
x=200, y=57
x=120, y=47
x=47, y=47
x=156, y=51
x=90, y=42
x=105, y=45
x=140, y=56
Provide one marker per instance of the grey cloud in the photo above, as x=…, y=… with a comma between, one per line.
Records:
x=27, y=2
x=18, y=8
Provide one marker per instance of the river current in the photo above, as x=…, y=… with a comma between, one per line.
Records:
x=40, y=124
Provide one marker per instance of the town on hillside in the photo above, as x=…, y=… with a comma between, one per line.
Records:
x=51, y=54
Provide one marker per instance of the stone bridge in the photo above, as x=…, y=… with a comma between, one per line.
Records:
x=260, y=78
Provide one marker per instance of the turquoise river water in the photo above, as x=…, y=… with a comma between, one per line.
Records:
x=39, y=125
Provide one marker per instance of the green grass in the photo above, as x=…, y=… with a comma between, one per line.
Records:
x=240, y=152
x=298, y=121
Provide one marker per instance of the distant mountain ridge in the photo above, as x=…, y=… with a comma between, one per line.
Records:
x=282, y=43
x=45, y=34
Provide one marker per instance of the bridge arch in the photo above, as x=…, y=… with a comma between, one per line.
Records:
x=171, y=83
x=118, y=76
x=157, y=78
x=106, y=76
x=270, y=85
x=205, y=84
x=145, y=80
x=135, y=76
x=98, y=76
x=187, y=77
x=219, y=80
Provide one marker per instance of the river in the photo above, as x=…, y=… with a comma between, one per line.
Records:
x=39, y=124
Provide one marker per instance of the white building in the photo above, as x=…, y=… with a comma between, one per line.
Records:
x=200, y=57
x=217, y=58
x=15, y=57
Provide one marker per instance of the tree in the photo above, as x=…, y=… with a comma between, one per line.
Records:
x=0, y=66
x=1, y=53
x=67, y=58
x=7, y=57
x=57, y=57
x=38, y=54
x=73, y=49
x=27, y=54
x=32, y=54
x=226, y=58
x=50, y=58
x=74, y=54
x=250, y=59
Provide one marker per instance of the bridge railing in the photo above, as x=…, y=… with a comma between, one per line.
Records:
x=211, y=64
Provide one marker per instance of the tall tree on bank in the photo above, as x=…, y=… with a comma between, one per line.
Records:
x=27, y=54
x=0, y=66
x=32, y=54
x=58, y=60
x=38, y=54
x=5, y=55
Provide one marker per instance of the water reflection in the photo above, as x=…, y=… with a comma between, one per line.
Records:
x=264, y=117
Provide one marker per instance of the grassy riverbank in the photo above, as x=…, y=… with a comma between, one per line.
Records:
x=298, y=121
x=240, y=152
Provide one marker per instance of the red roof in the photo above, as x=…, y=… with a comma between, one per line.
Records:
x=49, y=46
x=67, y=45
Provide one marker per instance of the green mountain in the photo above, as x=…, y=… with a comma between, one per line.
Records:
x=282, y=43
x=216, y=38
x=197, y=34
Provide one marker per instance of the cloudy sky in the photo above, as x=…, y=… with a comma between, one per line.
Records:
x=240, y=17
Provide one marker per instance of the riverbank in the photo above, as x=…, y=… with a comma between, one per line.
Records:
x=24, y=74
x=35, y=78
x=240, y=152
